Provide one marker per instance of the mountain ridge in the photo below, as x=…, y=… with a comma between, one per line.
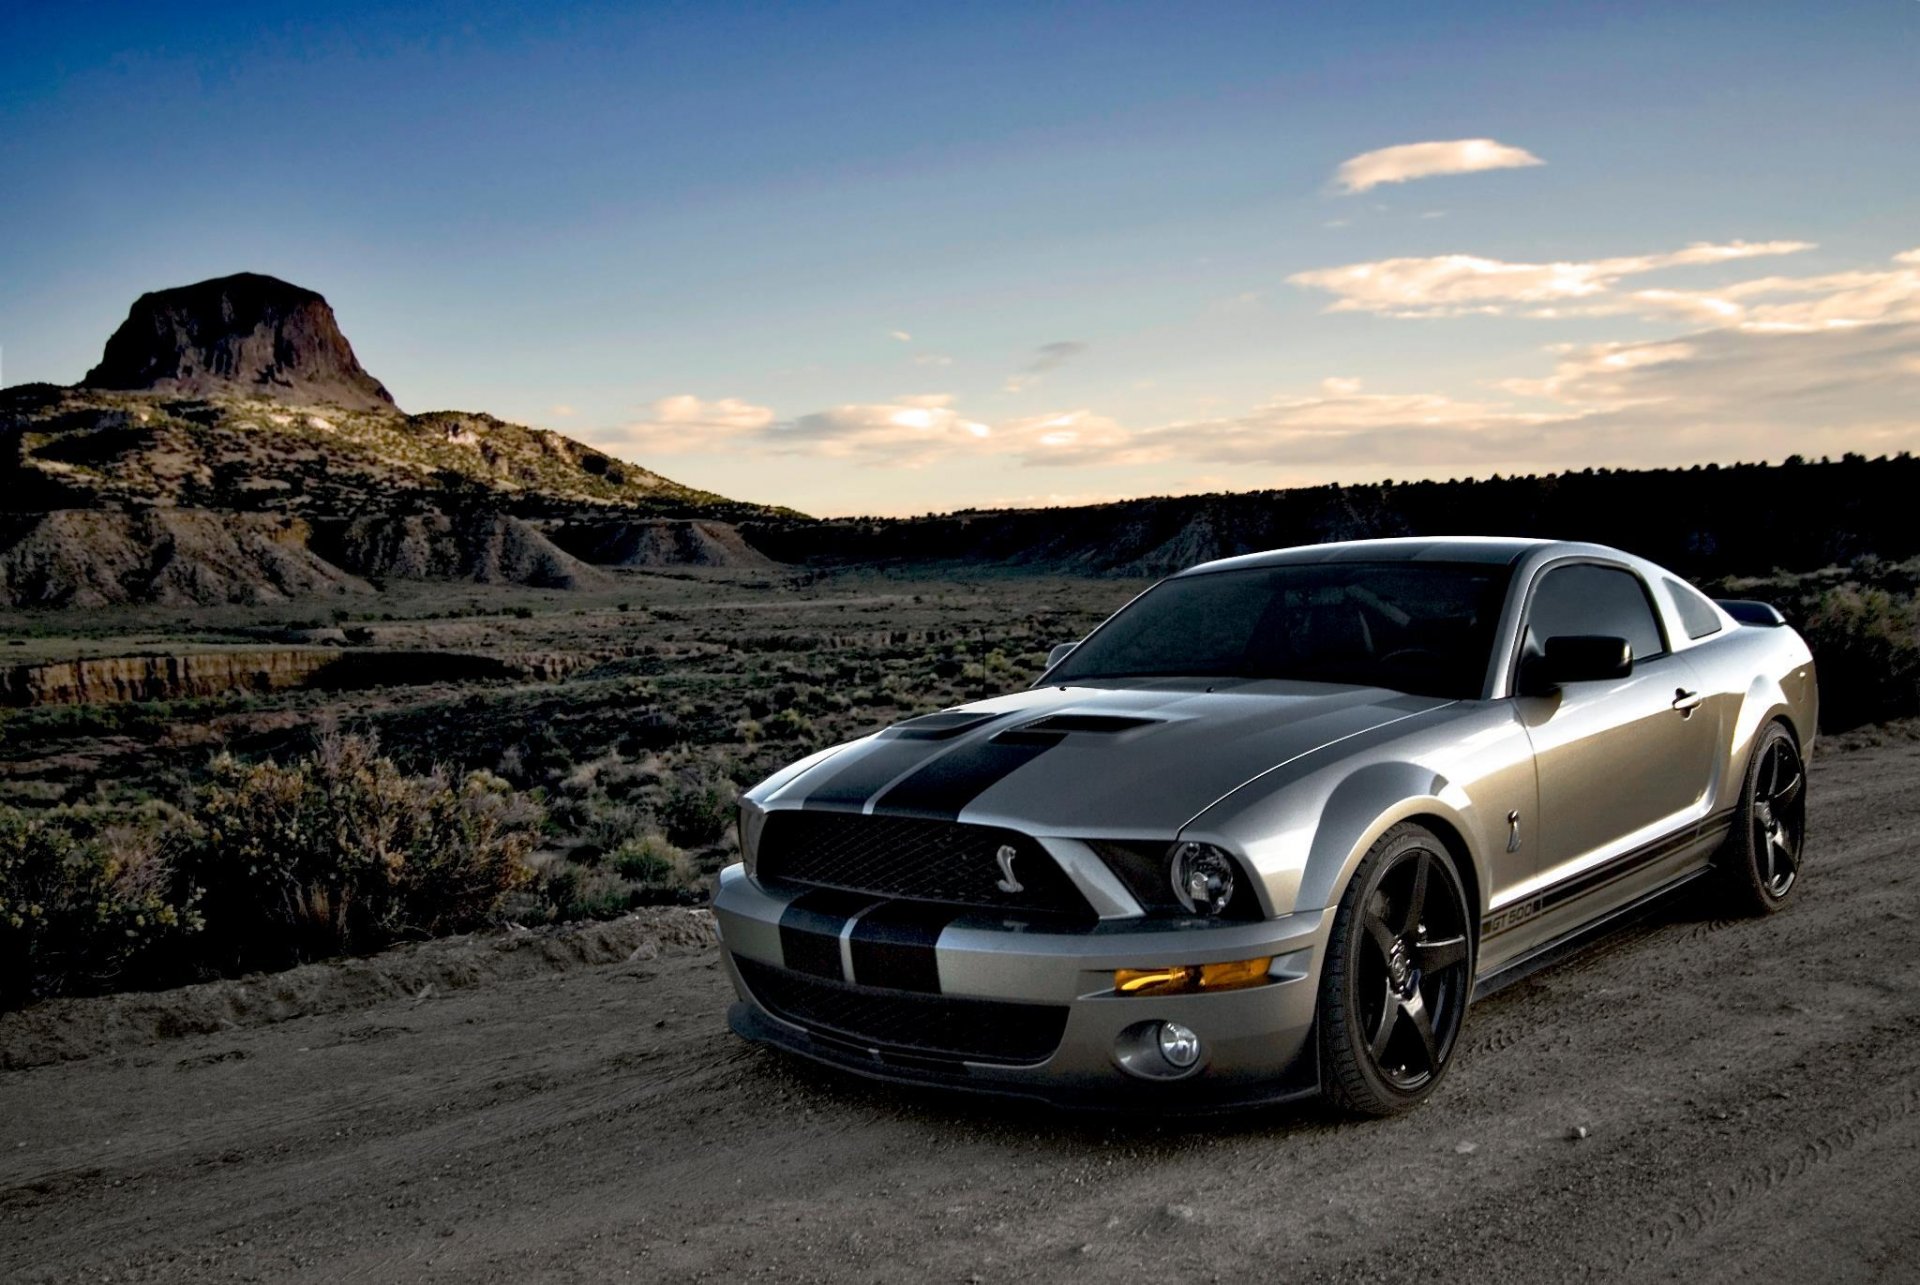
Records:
x=230, y=447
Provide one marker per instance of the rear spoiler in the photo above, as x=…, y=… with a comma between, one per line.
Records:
x=1749, y=612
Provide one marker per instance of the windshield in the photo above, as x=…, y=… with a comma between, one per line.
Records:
x=1420, y=627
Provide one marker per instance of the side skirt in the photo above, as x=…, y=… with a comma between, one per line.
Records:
x=1577, y=939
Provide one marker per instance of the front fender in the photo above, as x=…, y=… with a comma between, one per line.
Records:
x=1304, y=845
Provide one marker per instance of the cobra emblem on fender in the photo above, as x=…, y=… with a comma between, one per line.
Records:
x=1009, y=882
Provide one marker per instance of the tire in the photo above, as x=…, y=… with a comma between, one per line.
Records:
x=1760, y=863
x=1398, y=976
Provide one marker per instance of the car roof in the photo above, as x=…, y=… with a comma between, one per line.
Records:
x=1490, y=550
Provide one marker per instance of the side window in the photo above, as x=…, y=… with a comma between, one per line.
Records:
x=1697, y=615
x=1589, y=599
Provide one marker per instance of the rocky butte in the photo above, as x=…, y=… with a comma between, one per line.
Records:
x=246, y=335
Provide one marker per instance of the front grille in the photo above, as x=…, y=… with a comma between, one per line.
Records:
x=915, y=859
x=974, y=1030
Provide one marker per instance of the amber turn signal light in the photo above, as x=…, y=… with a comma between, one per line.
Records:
x=1179, y=979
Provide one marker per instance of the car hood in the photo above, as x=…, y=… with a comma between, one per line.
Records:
x=1115, y=759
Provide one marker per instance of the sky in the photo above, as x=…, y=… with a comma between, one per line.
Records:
x=894, y=258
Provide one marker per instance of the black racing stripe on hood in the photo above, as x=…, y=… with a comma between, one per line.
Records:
x=866, y=773
x=947, y=784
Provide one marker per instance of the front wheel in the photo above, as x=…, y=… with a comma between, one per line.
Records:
x=1398, y=975
x=1761, y=861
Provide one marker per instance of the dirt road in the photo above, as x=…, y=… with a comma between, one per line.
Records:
x=1749, y=1091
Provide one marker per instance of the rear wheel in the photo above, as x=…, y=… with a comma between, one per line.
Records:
x=1761, y=862
x=1398, y=975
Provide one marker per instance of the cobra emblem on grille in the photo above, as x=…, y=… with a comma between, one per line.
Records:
x=1009, y=882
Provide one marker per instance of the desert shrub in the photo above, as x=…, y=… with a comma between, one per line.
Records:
x=571, y=892
x=644, y=871
x=343, y=851
x=697, y=809
x=652, y=730
x=651, y=859
x=789, y=724
x=623, y=780
x=607, y=826
x=1866, y=651
x=78, y=910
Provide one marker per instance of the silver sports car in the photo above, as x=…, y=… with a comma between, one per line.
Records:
x=1272, y=827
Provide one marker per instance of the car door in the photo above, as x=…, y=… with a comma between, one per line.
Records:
x=1623, y=763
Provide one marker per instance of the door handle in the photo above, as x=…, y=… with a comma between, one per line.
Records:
x=1686, y=702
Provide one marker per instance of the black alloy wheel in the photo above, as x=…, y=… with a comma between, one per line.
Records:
x=1761, y=862
x=1398, y=977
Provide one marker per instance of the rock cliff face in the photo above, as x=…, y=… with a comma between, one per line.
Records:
x=199, y=674
x=661, y=543
x=247, y=336
x=484, y=548
x=97, y=558
x=139, y=678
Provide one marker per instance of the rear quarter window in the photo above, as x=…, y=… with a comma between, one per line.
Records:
x=1697, y=615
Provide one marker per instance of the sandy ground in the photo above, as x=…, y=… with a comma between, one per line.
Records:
x=1749, y=1091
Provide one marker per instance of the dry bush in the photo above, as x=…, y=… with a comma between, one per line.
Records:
x=343, y=851
x=1866, y=650
x=80, y=909
x=697, y=808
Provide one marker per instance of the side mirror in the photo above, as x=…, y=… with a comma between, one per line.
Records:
x=1059, y=653
x=1578, y=658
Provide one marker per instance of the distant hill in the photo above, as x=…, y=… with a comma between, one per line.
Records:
x=282, y=467
x=1739, y=519
x=85, y=448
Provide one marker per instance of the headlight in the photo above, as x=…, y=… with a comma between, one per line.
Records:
x=1202, y=877
x=748, y=821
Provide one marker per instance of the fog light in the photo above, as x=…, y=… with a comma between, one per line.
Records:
x=1156, y=981
x=1180, y=1046
x=1176, y=979
x=1157, y=1050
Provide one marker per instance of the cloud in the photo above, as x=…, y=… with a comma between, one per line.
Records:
x=901, y=335
x=1349, y=427
x=1073, y=437
x=910, y=432
x=1045, y=358
x=1810, y=365
x=561, y=411
x=1748, y=387
x=1786, y=304
x=1409, y=161
x=1450, y=285
x=1724, y=394
x=1049, y=356
x=1770, y=366
x=683, y=424
x=932, y=359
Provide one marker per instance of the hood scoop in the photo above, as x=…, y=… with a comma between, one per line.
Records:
x=1107, y=724
x=938, y=727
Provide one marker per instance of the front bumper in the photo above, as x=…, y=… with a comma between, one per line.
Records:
x=1255, y=1042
